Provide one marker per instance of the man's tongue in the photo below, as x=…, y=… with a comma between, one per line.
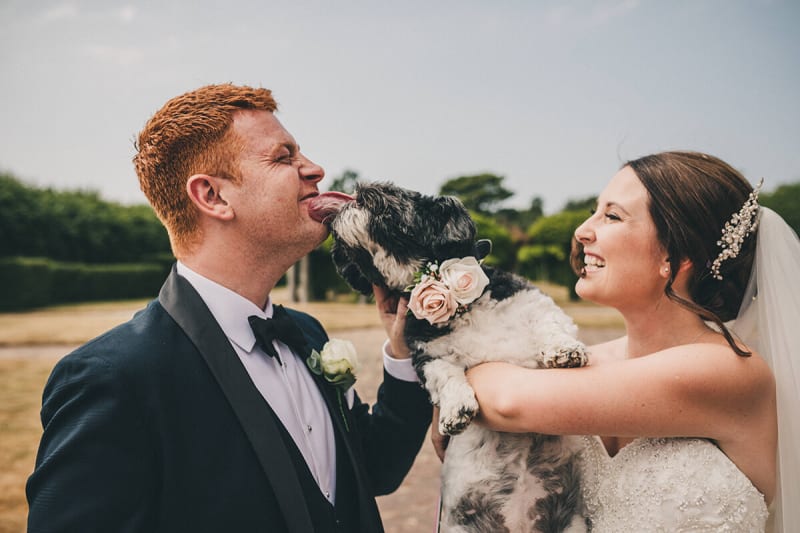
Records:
x=324, y=207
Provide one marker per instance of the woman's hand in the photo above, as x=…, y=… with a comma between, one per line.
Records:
x=392, y=308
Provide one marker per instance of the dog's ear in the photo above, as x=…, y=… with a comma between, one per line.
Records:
x=356, y=280
x=456, y=230
x=371, y=196
x=482, y=248
x=348, y=269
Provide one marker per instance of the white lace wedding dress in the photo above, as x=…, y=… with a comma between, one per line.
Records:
x=668, y=485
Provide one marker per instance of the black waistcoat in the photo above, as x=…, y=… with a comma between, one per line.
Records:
x=327, y=518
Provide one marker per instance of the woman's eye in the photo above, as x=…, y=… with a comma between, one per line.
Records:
x=612, y=216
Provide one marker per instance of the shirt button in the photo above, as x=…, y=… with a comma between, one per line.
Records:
x=308, y=427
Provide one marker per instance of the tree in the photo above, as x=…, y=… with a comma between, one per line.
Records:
x=503, y=254
x=21, y=231
x=547, y=257
x=584, y=204
x=479, y=193
x=345, y=183
x=75, y=226
x=522, y=218
x=785, y=200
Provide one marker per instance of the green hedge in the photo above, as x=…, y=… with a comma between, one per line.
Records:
x=325, y=281
x=547, y=257
x=26, y=283
x=37, y=282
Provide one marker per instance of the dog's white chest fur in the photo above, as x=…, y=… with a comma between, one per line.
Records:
x=523, y=329
x=494, y=480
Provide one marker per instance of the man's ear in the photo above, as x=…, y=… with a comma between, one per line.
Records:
x=205, y=192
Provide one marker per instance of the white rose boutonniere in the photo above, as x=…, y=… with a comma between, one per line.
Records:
x=337, y=363
x=443, y=291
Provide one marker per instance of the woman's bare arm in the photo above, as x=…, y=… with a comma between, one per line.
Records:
x=699, y=390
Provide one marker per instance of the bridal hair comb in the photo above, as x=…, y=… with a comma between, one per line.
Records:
x=736, y=229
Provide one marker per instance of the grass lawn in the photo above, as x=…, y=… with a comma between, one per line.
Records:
x=21, y=383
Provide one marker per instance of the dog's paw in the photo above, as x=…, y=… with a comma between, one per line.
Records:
x=454, y=419
x=566, y=356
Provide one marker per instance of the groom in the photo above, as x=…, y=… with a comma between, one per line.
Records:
x=187, y=419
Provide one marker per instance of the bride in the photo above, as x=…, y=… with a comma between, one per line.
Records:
x=694, y=415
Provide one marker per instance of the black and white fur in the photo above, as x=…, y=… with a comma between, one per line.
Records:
x=491, y=481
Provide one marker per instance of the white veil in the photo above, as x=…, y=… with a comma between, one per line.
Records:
x=769, y=322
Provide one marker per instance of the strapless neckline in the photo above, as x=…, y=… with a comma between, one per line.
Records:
x=659, y=484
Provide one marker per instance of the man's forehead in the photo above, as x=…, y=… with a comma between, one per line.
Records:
x=262, y=129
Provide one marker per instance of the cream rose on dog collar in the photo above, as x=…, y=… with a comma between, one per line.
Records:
x=337, y=363
x=465, y=278
x=442, y=291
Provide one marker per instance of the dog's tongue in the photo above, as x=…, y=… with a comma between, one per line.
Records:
x=324, y=207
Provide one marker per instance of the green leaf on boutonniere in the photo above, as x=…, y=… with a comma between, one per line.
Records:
x=314, y=362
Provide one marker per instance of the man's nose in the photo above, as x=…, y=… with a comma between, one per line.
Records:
x=310, y=171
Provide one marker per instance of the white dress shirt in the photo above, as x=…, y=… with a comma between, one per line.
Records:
x=288, y=387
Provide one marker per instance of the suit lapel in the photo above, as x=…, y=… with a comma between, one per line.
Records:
x=186, y=307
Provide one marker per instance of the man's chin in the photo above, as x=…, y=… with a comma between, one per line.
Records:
x=317, y=239
x=325, y=232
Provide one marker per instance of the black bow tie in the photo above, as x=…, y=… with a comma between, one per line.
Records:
x=281, y=327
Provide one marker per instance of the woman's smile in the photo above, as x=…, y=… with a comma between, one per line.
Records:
x=593, y=263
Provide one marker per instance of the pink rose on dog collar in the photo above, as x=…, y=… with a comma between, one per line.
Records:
x=442, y=292
x=431, y=300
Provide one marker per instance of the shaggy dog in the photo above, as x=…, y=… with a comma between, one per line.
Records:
x=491, y=481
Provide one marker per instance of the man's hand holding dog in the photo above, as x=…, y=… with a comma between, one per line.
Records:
x=393, y=308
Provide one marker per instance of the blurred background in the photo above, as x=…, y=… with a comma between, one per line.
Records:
x=524, y=109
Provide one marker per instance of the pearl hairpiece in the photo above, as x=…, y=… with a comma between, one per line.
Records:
x=736, y=229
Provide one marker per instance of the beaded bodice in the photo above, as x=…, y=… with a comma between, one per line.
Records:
x=667, y=485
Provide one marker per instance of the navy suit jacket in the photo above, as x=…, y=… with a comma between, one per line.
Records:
x=155, y=426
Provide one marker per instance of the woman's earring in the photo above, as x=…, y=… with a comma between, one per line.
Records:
x=666, y=270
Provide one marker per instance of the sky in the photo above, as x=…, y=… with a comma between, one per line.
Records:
x=552, y=95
